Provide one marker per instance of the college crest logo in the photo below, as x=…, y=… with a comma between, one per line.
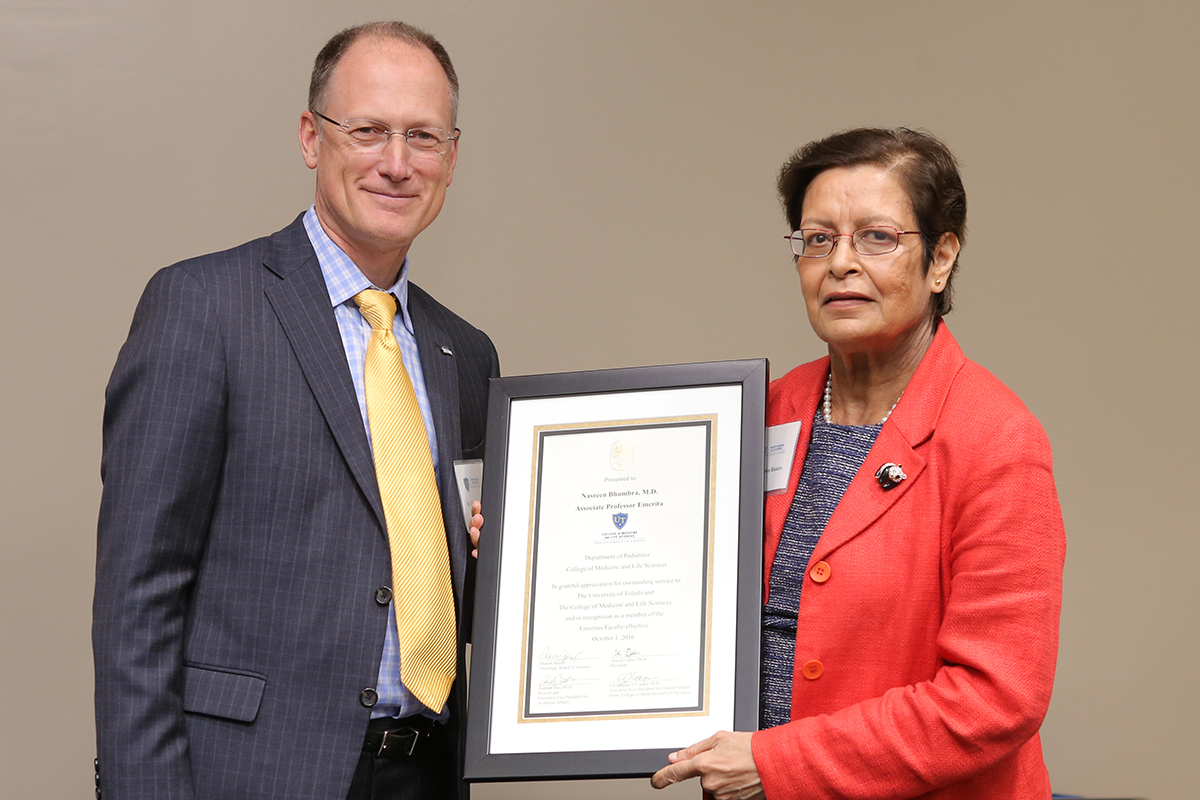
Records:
x=620, y=519
x=620, y=455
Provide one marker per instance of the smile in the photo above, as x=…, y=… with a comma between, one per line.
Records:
x=392, y=195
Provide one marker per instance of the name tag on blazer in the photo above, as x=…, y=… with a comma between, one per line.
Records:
x=780, y=453
x=469, y=477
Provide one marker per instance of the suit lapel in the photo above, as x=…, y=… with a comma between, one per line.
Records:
x=865, y=500
x=911, y=423
x=776, y=506
x=301, y=302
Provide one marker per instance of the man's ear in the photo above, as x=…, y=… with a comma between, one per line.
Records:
x=310, y=139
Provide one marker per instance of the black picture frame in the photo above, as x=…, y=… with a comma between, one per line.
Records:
x=484, y=760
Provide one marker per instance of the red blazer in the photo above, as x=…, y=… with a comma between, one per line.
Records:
x=928, y=621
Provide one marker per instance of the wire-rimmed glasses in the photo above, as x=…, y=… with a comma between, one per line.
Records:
x=872, y=240
x=367, y=134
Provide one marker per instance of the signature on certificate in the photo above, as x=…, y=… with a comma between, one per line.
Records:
x=556, y=681
x=550, y=657
x=633, y=678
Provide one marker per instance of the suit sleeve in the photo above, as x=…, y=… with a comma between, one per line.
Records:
x=164, y=439
x=996, y=644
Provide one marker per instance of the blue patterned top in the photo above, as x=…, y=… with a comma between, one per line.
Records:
x=835, y=454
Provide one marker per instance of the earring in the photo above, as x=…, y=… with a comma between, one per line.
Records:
x=937, y=282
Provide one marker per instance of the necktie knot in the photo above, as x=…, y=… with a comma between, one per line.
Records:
x=378, y=308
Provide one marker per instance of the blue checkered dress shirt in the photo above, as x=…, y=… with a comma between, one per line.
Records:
x=344, y=280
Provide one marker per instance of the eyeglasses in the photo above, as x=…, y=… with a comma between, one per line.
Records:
x=874, y=240
x=369, y=135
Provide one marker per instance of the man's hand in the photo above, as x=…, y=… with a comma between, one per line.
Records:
x=476, y=525
x=724, y=764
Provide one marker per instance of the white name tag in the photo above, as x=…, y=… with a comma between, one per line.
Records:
x=781, y=452
x=469, y=477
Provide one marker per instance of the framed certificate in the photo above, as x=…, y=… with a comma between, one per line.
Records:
x=619, y=582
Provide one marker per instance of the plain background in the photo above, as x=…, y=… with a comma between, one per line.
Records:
x=613, y=206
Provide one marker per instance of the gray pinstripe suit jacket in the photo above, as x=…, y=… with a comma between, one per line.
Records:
x=241, y=535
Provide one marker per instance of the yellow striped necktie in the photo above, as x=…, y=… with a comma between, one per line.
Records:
x=411, y=506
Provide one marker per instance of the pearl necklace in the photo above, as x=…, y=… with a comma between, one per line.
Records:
x=827, y=404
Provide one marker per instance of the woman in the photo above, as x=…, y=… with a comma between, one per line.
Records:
x=914, y=564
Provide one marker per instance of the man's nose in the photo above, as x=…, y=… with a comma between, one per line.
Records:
x=395, y=159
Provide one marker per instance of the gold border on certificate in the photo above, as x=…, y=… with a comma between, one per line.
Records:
x=701, y=693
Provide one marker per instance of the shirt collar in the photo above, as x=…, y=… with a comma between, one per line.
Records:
x=343, y=278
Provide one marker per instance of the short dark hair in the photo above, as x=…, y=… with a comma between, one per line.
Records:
x=336, y=47
x=927, y=171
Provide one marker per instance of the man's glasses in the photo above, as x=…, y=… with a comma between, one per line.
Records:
x=372, y=136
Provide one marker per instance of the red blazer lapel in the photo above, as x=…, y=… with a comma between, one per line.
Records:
x=795, y=397
x=865, y=500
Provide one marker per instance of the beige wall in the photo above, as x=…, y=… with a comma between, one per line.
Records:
x=613, y=205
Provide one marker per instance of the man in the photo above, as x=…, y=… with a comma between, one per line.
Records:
x=282, y=592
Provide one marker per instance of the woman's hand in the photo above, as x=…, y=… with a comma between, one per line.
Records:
x=476, y=525
x=724, y=764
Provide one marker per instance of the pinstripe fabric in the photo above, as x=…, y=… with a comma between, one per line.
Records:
x=241, y=535
x=420, y=565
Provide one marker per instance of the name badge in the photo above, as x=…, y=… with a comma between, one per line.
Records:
x=781, y=452
x=469, y=477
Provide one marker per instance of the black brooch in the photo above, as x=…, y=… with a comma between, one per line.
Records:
x=889, y=475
